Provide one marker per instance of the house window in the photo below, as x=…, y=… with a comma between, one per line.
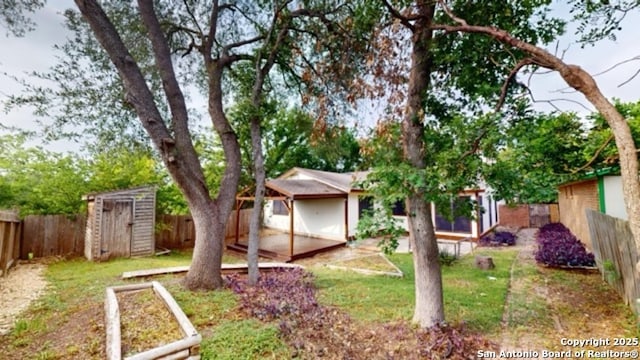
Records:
x=365, y=204
x=460, y=224
x=279, y=207
x=399, y=208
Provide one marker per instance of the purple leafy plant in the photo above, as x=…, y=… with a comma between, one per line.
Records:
x=498, y=238
x=557, y=246
x=281, y=293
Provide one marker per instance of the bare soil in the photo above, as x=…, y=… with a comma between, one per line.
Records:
x=546, y=305
x=23, y=284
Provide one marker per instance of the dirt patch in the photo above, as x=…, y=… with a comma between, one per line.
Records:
x=545, y=305
x=79, y=336
x=24, y=284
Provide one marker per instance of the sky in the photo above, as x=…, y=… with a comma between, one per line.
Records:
x=34, y=53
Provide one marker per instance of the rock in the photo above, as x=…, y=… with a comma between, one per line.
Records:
x=484, y=262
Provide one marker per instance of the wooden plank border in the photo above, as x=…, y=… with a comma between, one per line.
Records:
x=186, y=348
x=226, y=268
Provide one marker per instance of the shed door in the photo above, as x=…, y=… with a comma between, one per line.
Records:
x=116, y=225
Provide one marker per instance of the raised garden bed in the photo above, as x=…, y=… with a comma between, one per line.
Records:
x=187, y=347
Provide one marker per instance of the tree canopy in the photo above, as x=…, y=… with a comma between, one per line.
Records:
x=538, y=152
x=37, y=181
x=15, y=15
x=600, y=150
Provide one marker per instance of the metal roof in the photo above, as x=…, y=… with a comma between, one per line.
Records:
x=341, y=181
x=305, y=189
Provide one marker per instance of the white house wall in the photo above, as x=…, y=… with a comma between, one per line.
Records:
x=322, y=218
x=613, y=197
x=279, y=222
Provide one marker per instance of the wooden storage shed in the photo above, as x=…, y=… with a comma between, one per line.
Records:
x=120, y=223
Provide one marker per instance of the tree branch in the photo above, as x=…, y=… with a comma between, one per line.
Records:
x=211, y=36
x=227, y=60
x=595, y=156
x=616, y=65
x=174, y=96
x=451, y=15
x=475, y=145
x=226, y=48
x=263, y=70
x=322, y=16
x=629, y=79
x=396, y=14
x=192, y=16
x=162, y=55
x=137, y=91
x=505, y=86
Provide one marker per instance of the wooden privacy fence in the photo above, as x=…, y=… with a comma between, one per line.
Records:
x=62, y=235
x=53, y=235
x=616, y=255
x=178, y=232
x=10, y=230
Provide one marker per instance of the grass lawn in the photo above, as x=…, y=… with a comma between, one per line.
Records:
x=474, y=296
x=67, y=321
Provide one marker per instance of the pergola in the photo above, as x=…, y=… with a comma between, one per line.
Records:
x=289, y=191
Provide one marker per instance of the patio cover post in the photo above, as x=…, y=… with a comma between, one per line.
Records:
x=238, y=205
x=346, y=219
x=291, y=228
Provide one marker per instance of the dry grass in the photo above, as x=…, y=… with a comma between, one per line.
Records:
x=145, y=322
x=546, y=305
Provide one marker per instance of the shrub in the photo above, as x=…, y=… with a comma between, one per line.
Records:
x=557, y=246
x=446, y=258
x=498, y=238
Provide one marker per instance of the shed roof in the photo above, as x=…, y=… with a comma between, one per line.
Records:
x=91, y=196
x=593, y=175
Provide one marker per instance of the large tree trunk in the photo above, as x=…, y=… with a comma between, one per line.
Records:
x=583, y=82
x=176, y=149
x=429, y=308
x=213, y=231
x=204, y=271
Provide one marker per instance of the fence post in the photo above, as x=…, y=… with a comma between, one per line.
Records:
x=9, y=239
